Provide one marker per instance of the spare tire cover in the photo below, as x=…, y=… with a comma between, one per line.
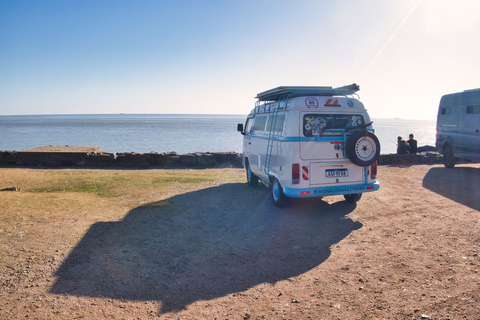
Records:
x=363, y=148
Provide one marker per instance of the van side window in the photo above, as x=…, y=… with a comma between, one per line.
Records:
x=473, y=109
x=259, y=124
x=249, y=125
x=279, y=123
x=446, y=111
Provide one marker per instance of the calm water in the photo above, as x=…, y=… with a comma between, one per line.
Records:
x=164, y=133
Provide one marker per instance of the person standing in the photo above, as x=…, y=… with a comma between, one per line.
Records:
x=411, y=144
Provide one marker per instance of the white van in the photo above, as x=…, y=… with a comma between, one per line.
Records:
x=458, y=127
x=310, y=142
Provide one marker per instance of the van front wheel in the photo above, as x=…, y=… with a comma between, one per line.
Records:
x=279, y=199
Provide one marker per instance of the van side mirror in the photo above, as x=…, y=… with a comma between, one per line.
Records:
x=240, y=128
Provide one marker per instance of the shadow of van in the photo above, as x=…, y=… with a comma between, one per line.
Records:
x=460, y=184
x=202, y=245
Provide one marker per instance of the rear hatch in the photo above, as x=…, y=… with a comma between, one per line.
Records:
x=323, y=134
x=322, y=144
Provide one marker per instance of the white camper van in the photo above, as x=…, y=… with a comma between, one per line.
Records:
x=310, y=142
x=458, y=127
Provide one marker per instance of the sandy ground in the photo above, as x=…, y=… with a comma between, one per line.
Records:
x=221, y=251
x=66, y=148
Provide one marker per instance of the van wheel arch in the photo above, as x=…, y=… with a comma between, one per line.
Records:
x=252, y=179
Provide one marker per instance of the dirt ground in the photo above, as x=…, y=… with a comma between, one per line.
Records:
x=65, y=149
x=220, y=250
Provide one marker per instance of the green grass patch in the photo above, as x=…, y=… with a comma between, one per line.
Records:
x=183, y=179
x=118, y=183
x=102, y=189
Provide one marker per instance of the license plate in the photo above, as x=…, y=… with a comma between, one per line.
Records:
x=333, y=173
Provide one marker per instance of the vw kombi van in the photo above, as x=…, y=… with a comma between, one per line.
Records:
x=458, y=127
x=310, y=142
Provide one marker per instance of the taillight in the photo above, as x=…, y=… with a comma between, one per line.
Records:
x=295, y=173
x=373, y=169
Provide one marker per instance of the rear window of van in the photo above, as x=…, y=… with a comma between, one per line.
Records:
x=332, y=124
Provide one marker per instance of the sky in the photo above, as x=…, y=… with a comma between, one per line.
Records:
x=214, y=56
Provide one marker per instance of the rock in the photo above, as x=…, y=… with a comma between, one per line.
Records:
x=10, y=189
x=190, y=160
x=205, y=159
x=426, y=149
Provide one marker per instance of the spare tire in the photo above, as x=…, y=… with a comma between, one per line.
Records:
x=363, y=148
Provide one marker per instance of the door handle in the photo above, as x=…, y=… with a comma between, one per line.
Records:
x=477, y=131
x=251, y=143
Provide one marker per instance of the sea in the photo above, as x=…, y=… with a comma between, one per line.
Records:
x=180, y=133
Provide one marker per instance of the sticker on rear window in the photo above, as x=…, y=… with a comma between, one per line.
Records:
x=329, y=124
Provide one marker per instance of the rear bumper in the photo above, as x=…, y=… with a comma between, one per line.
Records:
x=330, y=191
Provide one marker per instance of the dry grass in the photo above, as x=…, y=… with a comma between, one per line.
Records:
x=53, y=205
x=106, y=183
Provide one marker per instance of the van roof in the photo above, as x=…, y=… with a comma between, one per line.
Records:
x=471, y=96
x=284, y=92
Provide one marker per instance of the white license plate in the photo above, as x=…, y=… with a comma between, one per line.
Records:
x=334, y=173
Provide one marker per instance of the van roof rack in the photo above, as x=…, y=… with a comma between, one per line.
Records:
x=295, y=91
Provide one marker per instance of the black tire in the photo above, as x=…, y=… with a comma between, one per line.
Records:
x=448, y=157
x=278, y=198
x=352, y=198
x=252, y=179
x=363, y=148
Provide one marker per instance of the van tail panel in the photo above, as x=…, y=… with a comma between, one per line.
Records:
x=328, y=150
x=329, y=173
x=330, y=191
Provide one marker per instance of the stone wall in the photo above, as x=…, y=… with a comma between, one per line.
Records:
x=408, y=159
x=167, y=160
x=120, y=160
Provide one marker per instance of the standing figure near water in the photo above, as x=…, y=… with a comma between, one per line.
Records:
x=401, y=146
x=411, y=144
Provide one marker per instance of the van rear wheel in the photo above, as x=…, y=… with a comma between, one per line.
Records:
x=352, y=198
x=279, y=199
x=448, y=157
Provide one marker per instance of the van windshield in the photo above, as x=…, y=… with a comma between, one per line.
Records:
x=326, y=124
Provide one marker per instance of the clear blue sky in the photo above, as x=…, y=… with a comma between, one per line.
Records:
x=205, y=56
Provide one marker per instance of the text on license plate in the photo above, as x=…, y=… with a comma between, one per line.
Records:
x=332, y=173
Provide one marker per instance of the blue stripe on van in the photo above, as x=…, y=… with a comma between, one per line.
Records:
x=330, y=191
x=334, y=138
x=298, y=139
